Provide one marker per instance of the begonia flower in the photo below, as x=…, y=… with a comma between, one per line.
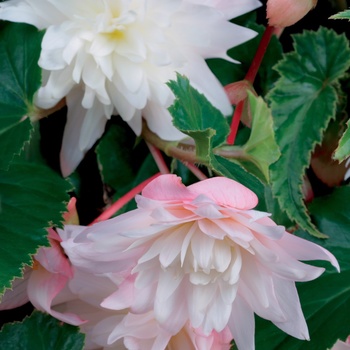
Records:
x=201, y=254
x=49, y=276
x=115, y=57
x=284, y=13
x=41, y=284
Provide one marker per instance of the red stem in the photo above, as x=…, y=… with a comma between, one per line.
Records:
x=260, y=53
x=109, y=212
x=235, y=122
x=250, y=76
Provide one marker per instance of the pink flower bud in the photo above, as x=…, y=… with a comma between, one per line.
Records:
x=284, y=13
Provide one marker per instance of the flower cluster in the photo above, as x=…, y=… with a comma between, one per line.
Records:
x=187, y=269
x=115, y=57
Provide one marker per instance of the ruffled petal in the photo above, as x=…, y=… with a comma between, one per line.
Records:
x=43, y=287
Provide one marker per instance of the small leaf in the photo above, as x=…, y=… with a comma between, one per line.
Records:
x=303, y=103
x=261, y=148
x=40, y=331
x=343, y=150
x=20, y=78
x=194, y=115
x=341, y=15
x=33, y=198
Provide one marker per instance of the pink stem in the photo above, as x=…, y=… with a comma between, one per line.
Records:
x=109, y=212
x=250, y=76
x=195, y=170
x=158, y=158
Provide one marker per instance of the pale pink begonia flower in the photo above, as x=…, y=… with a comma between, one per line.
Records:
x=49, y=276
x=342, y=345
x=41, y=284
x=284, y=13
x=115, y=57
x=119, y=329
x=201, y=254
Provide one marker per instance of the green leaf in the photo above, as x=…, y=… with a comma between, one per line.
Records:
x=261, y=146
x=33, y=198
x=331, y=214
x=40, y=331
x=194, y=115
x=341, y=15
x=20, y=78
x=326, y=300
x=343, y=150
x=303, y=103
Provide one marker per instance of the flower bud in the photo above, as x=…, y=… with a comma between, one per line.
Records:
x=284, y=13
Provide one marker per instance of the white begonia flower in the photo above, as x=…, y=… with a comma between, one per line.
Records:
x=115, y=56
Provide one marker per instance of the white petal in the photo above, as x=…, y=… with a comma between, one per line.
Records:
x=89, y=126
x=159, y=121
x=242, y=324
x=202, y=79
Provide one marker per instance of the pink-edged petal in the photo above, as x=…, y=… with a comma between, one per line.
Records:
x=101, y=333
x=53, y=259
x=17, y=295
x=294, y=324
x=303, y=249
x=167, y=187
x=123, y=297
x=142, y=326
x=43, y=287
x=226, y=192
x=171, y=313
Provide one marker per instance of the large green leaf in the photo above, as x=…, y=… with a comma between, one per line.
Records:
x=33, y=198
x=303, y=103
x=20, y=78
x=326, y=300
x=40, y=331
